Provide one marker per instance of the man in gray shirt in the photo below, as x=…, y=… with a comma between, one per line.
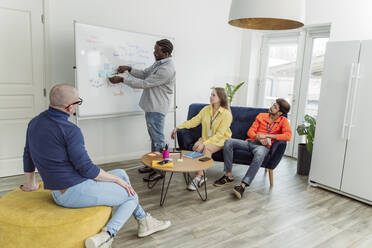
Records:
x=157, y=82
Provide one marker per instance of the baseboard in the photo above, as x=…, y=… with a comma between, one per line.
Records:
x=118, y=157
x=11, y=167
x=315, y=184
x=17, y=169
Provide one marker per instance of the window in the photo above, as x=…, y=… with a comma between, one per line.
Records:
x=291, y=67
x=315, y=77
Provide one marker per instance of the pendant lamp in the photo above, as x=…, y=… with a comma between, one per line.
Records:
x=267, y=14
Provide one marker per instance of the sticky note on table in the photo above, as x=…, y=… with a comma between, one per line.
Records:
x=155, y=163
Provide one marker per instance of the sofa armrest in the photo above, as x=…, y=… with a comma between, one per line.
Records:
x=276, y=153
x=185, y=139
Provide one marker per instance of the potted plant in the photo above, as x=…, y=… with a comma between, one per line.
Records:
x=305, y=149
x=231, y=90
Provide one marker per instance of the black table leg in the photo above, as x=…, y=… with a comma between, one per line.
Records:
x=163, y=195
x=187, y=181
x=197, y=188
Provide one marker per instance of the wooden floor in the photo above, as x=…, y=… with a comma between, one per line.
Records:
x=291, y=214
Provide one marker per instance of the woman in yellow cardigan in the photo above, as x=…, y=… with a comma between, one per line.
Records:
x=215, y=119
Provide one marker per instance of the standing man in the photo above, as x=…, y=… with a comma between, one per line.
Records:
x=157, y=82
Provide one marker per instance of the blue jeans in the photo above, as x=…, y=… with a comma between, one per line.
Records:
x=155, y=127
x=95, y=193
x=259, y=153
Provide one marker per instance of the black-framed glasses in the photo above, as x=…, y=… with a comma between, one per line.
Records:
x=77, y=102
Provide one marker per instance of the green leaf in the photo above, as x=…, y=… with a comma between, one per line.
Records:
x=301, y=129
x=231, y=90
x=228, y=89
x=309, y=147
x=236, y=88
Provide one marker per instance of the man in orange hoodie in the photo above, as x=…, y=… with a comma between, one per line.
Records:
x=266, y=129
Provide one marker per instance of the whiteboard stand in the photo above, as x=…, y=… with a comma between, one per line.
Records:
x=175, y=113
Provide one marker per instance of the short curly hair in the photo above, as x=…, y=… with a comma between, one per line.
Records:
x=166, y=46
x=284, y=106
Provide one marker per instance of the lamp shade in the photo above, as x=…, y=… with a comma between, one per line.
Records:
x=267, y=14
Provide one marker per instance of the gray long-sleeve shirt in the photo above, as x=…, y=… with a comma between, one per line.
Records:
x=157, y=82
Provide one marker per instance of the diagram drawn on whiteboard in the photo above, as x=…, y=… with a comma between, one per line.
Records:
x=102, y=66
x=99, y=52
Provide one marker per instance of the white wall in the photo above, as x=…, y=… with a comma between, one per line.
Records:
x=207, y=52
x=350, y=20
x=249, y=66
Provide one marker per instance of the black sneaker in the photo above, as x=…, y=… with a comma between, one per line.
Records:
x=223, y=181
x=239, y=191
x=145, y=169
x=153, y=176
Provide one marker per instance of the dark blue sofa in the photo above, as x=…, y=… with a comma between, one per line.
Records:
x=243, y=118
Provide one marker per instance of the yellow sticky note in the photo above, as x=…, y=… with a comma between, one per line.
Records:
x=155, y=163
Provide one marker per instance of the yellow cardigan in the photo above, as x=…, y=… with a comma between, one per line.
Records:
x=220, y=127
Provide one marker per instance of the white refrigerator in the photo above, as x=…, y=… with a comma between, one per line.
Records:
x=343, y=139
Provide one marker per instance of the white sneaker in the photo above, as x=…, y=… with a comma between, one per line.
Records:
x=198, y=181
x=150, y=225
x=101, y=240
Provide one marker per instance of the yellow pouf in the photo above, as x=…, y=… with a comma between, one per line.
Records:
x=32, y=219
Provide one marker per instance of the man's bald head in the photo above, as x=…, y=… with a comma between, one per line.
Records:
x=62, y=95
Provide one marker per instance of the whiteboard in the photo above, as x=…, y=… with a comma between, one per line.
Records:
x=99, y=51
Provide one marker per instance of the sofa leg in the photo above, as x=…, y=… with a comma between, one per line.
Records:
x=271, y=177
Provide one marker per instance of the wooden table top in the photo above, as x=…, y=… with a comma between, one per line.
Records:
x=187, y=165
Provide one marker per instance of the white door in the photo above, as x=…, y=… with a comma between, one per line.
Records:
x=21, y=77
x=330, y=140
x=358, y=166
x=279, y=76
x=312, y=71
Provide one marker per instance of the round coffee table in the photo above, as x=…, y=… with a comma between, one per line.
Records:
x=187, y=166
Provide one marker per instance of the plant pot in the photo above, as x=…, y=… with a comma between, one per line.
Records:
x=303, y=160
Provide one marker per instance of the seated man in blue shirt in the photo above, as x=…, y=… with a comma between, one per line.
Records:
x=56, y=148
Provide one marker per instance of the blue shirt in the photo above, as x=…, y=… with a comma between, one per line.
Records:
x=55, y=146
